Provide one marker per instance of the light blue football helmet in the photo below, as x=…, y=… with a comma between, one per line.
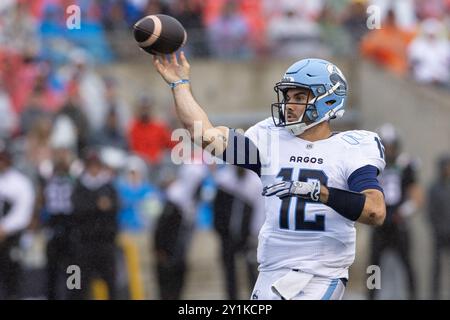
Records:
x=328, y=87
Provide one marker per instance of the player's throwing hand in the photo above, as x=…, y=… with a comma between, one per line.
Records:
x=170, y=69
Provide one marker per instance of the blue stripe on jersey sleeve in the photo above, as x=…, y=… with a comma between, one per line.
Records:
x=364, y=178
x=242, y=152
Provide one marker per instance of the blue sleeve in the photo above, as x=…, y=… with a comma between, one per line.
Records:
x=242, y=152
x=364, y=178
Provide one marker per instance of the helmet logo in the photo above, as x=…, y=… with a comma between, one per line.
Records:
x=287, y=79
x=337, y=76
x=331, y=68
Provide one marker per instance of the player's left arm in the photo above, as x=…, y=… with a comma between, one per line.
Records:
x=366, y=207
x=363, y=201
x=374, y=210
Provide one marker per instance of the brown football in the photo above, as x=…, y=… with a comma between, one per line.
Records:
x=159, y=34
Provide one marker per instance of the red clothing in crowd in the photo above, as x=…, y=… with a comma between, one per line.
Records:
x=150, y=140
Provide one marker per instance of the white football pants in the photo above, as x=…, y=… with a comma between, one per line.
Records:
x=312, y=288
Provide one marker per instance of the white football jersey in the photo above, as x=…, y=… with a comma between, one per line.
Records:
x=304, y=235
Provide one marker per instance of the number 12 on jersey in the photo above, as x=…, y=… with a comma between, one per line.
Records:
x=318, y=224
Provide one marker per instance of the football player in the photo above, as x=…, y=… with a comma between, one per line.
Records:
x=403, y=197
x=317, y=182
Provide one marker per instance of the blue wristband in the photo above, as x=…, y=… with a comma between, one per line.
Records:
x=181, y=81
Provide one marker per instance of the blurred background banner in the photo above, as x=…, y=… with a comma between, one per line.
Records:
x=86, y=176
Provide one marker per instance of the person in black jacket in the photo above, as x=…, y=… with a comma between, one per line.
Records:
x=16, y=208
x=235, y=209
x=404, y=197
x=54, y=198
x=439, y=210
x=174, y=229
x=95, y=206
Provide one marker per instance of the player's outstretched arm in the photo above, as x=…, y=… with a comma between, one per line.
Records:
x=189, y=112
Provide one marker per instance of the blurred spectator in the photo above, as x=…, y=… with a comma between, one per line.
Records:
x=36, y=148
x=310, y=8
x=189, y=13
x=229, y=34
x=404, y=11
x=156, y=7
x=91, y=89
x=19, y=73
x=403, y=197
x=429, y=54
x=117, y=28
x=236, y=216
x=439, y=210
x=8, y=120
x=406, y=15
x=111, y=134
x=72, y=110
x=115, y=103
x=95, y=205
x=49, y=87
x=55, y=197
x=134, y=191
x=18, y=31
x=113, y=15
x=34, y=110
x=174, y=230
x=31, y=81
x=252, y=11
x=294, y=34
x=388, y=45
x=333, y=34
x=64, y=133
x=355, y=21
x=16, y=209
x=149, y=137
x=136, y=9
x=431, y=9
x=114, y=160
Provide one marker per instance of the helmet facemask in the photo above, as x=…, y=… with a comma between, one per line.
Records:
x=280, y=111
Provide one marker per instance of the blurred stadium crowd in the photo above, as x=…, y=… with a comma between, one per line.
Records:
x=91, y=165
